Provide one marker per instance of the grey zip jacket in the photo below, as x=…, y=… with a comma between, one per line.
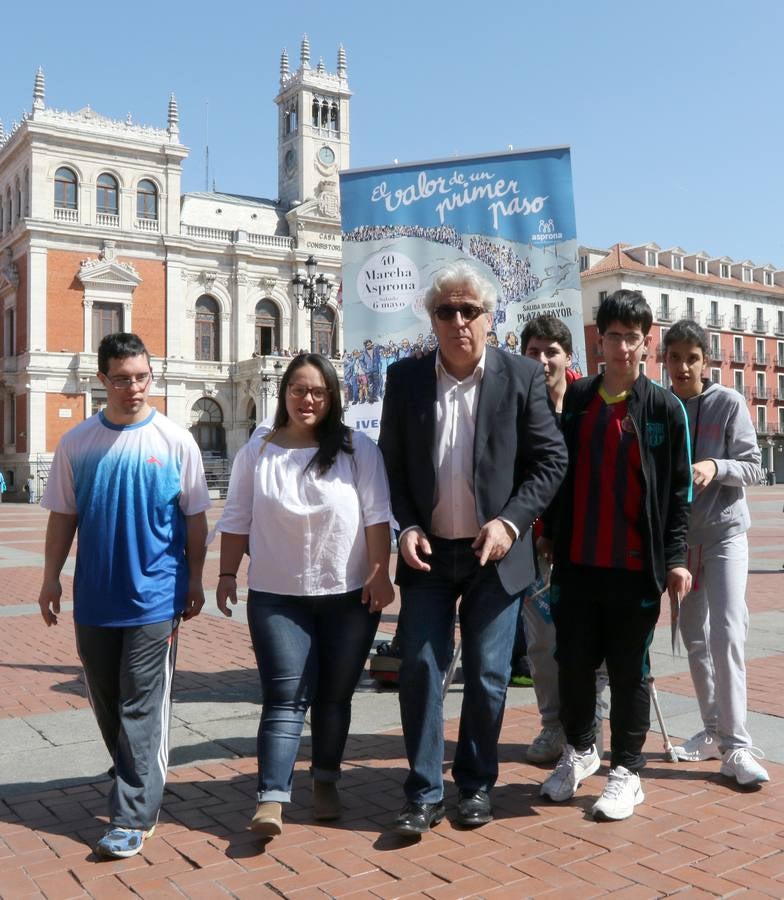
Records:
x=722, y=430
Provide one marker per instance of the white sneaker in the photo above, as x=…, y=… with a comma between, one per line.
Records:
x=621, y=794
x=547, y=746
x=741, y=765
x=572, y=768
x=701, y=746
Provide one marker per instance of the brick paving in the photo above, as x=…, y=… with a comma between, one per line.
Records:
x=696, y=835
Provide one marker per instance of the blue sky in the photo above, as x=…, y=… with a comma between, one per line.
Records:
x=672, y=110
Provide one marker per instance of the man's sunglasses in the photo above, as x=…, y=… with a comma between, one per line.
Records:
x=447, y=312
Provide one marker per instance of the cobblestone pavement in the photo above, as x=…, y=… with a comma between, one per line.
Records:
x=696, y=835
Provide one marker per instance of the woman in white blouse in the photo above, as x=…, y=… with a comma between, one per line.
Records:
x=309, y=499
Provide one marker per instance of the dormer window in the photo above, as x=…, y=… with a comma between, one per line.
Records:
x=677, y=263
x=651, y=258
x=724, y=270
x=702, y=267
x=768, y=278
x=747, y=274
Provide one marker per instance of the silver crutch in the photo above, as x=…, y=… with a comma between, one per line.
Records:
x=669, y=752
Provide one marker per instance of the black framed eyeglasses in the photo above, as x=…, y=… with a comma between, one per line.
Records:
x=299, y=391
x=469, y=311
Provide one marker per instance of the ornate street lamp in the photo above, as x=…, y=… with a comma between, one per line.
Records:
x=312, y=291
x=270, y=384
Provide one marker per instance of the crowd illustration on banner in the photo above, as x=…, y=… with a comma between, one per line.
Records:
x=513, y=272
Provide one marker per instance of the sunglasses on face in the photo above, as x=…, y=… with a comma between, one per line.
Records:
x=447, y=312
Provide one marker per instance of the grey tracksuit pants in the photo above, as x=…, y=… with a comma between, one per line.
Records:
x=129, y=677
x=714, y=622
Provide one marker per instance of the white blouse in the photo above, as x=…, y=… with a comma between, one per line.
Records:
x=307, y=531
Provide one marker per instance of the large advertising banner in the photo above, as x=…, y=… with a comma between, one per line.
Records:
x=511, y=215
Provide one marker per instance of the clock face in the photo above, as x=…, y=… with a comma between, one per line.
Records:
x=327, y=155
x=290, y=162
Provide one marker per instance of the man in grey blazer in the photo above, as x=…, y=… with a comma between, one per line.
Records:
x=474, y=457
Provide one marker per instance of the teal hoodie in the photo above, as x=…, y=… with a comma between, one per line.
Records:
x=722, y=430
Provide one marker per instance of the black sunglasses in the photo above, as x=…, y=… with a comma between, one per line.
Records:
x=447, y=312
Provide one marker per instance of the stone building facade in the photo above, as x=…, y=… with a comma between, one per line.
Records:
x=97, y=236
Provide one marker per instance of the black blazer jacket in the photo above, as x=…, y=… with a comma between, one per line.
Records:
x=519, y=454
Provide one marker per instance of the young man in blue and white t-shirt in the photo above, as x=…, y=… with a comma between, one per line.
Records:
x=132, y=483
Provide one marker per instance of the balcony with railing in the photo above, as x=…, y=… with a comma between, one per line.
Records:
x=743, y=390
x=738, y=323
x=666, y=314
x=146, y=224
x=758, y=392
x=761, y=359
x=780, y=395
x=270, y=240
x=110, y=220
x=779, y=329
x=739, y=358
x=63, y=214
x=716, y=321
x=778, y=362
x=760, y=326
x=717, y=356
x=693, y=316
x=765, y=428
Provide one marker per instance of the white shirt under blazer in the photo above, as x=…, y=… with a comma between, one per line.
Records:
x=306, y=531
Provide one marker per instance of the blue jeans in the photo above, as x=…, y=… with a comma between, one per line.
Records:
x=310, y=652
x=426, y=632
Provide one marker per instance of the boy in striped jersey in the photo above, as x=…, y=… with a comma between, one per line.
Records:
x=620, y=542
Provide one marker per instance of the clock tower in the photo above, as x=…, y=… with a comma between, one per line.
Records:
x=313, y=129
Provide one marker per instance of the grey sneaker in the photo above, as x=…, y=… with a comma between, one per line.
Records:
x=572, y=768
x=741, y=765
x=547, y=746
x=701, y=746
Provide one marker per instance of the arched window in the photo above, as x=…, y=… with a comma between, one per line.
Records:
x=207, y=427
x=18, y=199
x=333, y=118
x=324, y=336
x=106, y=195
x=27, y=192
x=267, y=328
x=290, y=119
x=65, y=189
x=207, y=328
x=9, y=210
x=146, y=200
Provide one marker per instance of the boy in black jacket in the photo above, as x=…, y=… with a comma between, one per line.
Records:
x=621, y=541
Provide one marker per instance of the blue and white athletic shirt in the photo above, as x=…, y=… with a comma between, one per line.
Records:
x=131, y=487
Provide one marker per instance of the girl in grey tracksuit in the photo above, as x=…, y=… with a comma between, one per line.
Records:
x=713, y=616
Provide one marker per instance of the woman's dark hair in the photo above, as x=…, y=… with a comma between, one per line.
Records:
x=332, y=435
x=688, y=332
